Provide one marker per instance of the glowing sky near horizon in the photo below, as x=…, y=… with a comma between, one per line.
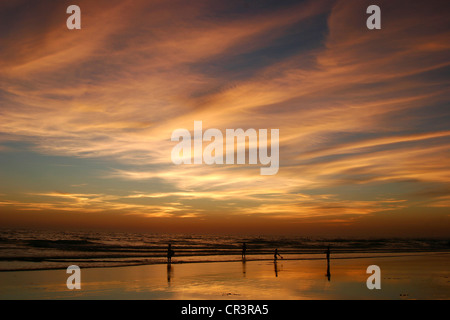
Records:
x=86, y=116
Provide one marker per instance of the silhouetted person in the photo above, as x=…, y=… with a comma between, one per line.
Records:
x=244, y=268
x=276, y=255
x=170, y=254
x=244, y=250
x=328, y=263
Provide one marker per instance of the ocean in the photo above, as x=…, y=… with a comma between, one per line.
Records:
x=44, y=250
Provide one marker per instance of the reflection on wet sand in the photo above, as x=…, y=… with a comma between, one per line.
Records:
x=328, y=271
x=328, y=263
x=169, y=273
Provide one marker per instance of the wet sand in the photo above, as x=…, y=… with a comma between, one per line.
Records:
x=418, y=276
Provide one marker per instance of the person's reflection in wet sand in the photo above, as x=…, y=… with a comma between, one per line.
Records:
x=275, y=267
x=169, y=273
x=328, y=263
x=328, y=271
x=244, y=268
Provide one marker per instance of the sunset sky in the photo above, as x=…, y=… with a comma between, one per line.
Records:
x=86, y=116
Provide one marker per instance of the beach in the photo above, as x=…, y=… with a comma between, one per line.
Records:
x=403, y=276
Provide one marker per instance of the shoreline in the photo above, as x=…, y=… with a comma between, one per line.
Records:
x=175, y=262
